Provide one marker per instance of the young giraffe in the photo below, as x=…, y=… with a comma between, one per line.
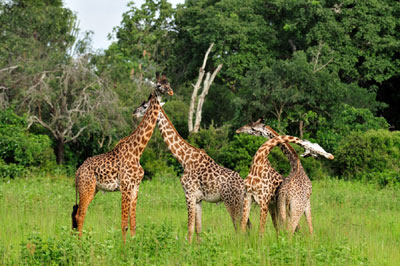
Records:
x=263, y=180
x=203, y=179
x=119, y=169
x=293, y=195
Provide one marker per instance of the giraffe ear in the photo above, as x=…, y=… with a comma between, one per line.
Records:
x=161, y=104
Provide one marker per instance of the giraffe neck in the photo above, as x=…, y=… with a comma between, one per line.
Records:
x=260, y=159
x=137, y=141
x=176, y=144
x=287, y=150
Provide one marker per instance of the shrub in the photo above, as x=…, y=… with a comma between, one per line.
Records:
x=19, y=148
x=347, y=120
x=373, y=155
x=211, y=140
x=10, y=170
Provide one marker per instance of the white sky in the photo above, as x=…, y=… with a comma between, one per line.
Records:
x=101, y=16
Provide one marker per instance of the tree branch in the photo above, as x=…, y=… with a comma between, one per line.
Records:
x=206, y=87
x=196, y=88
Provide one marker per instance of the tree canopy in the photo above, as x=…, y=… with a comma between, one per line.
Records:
x=319, y=69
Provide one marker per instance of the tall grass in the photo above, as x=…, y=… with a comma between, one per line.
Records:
x=354, y=224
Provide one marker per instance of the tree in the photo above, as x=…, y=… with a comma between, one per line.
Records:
x=36, y=35
x=243, y=39
x=63, y=99
x=206, y=86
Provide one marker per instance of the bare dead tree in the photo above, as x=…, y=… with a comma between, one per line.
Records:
x=196, y=87
x=67, y=96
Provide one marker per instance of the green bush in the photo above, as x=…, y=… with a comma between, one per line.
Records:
x=19, y=148
x=349, y=119
x=373, y=155
x=177, y=112
x=238, y=153
x=10, y=170
x=212, y=140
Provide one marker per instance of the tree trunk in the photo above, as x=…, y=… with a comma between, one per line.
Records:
x=206, y=87
x=196, y=88
x=301, y=129
x=60, y=150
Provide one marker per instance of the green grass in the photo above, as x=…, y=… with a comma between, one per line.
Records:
x=354, y=224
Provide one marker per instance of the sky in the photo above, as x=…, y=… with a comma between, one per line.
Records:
x=101, y=16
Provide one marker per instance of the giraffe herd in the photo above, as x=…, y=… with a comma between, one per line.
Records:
x=203, y=179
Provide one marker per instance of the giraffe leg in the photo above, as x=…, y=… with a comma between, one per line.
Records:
x=308, y=216
x=295, y=214
x=191, y=207
x=273, y=212
x=125, y=210
x=233, y=211
x=132, y=220
x=246, y=211
x=87, y=191
x=232, y=196
x=281, y=209
x=198, y=221
x=263, y=216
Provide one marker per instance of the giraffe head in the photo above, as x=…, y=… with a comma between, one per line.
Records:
x=252, y=128
x=141, y=110
x=314, y=150
x=162, y=85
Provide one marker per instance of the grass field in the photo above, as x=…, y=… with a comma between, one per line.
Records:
x=354, y=224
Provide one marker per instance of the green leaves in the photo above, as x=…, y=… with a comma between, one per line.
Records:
x=20, y=149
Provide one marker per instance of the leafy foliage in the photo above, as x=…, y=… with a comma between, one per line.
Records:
x=20, y=149
x=371, y=155
x=345, y=121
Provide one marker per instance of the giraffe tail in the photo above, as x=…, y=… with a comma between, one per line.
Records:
x=75, y=207
x=74, y=212
x=249, y=225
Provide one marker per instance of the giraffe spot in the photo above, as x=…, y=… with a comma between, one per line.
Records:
x=173, y=150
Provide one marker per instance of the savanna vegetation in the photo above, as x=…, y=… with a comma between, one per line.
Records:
x=355, y=224
x=321, y=70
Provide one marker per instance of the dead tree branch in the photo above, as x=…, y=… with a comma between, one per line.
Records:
x=196, y=87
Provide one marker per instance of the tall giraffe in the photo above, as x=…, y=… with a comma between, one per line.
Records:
x=203, y=179
x=293, y=195
x=119, y=169
x=263, y=180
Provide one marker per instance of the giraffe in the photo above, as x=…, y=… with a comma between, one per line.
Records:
x=119, y=169
x=296, y=189
x=203, y=179
x=262, y=180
